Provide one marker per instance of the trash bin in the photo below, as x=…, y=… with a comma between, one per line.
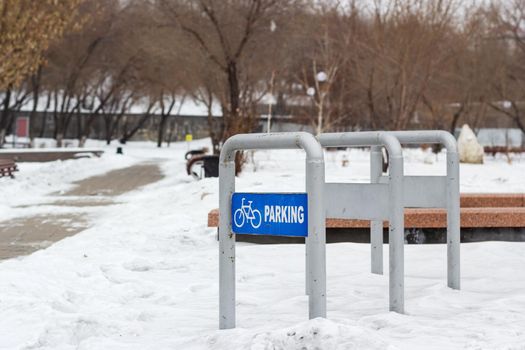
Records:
x=211, y=166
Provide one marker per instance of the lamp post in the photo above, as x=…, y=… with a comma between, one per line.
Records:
x=270, y=103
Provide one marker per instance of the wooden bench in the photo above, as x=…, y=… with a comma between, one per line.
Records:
x=479, y=214
x=7, y=167
x=43, y=155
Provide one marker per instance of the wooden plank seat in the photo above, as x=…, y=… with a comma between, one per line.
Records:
x=7, y=167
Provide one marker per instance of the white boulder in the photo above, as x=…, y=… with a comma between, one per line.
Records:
x=429, y=159
x=470, y=151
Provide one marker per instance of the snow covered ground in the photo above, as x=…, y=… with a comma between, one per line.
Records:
x=145, y=274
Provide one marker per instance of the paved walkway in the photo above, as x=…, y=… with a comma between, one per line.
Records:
x=117, y=182
x=23, y=236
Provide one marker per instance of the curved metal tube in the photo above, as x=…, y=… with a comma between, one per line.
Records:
x=315, y=178
x=362, y=138
x=396, y=232
x=427, y=136
x=285, y=140
x=453, y=195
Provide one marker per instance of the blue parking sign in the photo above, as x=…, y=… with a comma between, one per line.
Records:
x=277, y=214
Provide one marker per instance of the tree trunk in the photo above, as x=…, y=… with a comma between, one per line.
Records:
x=43, y=126
x=232, y=124
x=214, y=134
x=108, y=128
x=128, y=135
x=456, y=116
x=4, y=118
x=35, y=80
x=124, y=130
x=162, y=126
x=115, y=126
x=233, y=81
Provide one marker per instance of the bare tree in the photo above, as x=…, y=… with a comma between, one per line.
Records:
x=325, y=45
x=509, y=21
x=224, y=32
x=403, y=49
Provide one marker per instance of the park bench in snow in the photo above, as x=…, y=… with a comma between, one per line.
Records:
x=7, y=167
x=200, y=165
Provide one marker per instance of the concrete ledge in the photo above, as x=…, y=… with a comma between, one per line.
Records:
x=477, y=200
x=412, y=236
x=431, y=218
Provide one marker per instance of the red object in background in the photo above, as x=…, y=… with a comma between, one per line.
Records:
x=22, y=127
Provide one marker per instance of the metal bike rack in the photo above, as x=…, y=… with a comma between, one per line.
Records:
x=425, y=192
x=315, y=182
x=383, y=199
x=372, y=201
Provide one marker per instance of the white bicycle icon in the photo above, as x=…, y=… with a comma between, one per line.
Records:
x=245, y=212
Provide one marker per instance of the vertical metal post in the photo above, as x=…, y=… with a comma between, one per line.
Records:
x=376, y=226
x=307, y=267
x=396, y=235
x=453, y=220
x=226, y=246
x=316, y=248
x=453, y=195
x=307, y=277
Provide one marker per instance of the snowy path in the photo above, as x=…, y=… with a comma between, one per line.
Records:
x=21, y=236
x=118, y=181
x=144, y=275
